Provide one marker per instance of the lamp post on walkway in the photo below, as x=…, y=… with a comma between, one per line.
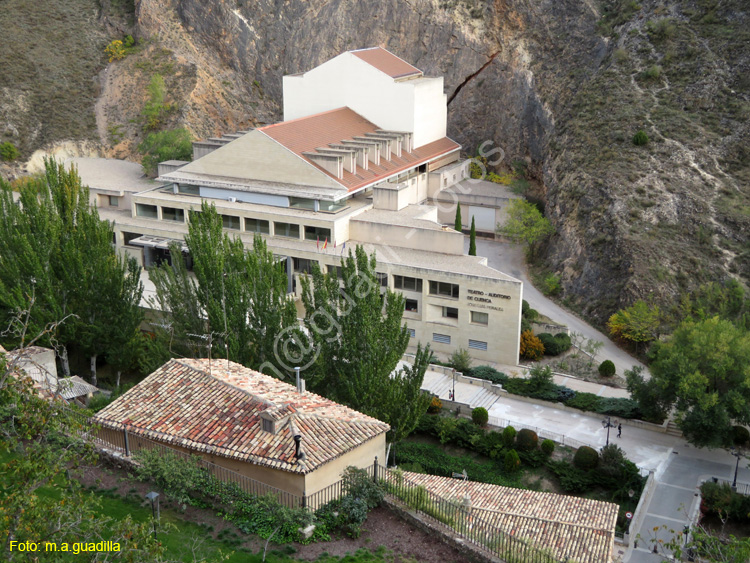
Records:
x=608, y=424
x=453, y=396
x=153, y=496
x=738, y=455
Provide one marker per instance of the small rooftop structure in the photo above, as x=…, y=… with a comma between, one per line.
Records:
x=227, y=410
x=573, y=528
x=387, y=62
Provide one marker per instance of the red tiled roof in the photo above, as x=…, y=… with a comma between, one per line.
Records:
x=217, y=410
x=573, y=527
x=330, y=127
x=386, y=62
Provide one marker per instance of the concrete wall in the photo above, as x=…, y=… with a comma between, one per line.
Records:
x=418, y=105
x=446, y=241
x=363, y=456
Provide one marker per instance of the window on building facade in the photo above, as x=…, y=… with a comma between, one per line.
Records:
x=410, y=284
x=114, y=201
x=301, y=203
x=337, y=270
x=188, y=189
x=256, y=226
x=450, y=312
x=382, y=279
x=441, y=338
x=149, y=211
x=303, y=265
x=317, y=233
x=332, y=206
x=411, y=305
x=477, y=345
x=288, y=230
x=412, y=333
x=480, y=318
x=231, y=222
x=444, y=289
x=173, y=214
x=127, y=237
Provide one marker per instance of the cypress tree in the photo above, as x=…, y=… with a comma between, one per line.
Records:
x=458, y=223
x=473, y=239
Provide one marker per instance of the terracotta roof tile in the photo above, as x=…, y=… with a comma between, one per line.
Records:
x=578, y=528
x=387, y=62
x=217, y=410
x=305, y=134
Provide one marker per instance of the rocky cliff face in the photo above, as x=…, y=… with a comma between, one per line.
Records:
x=560, y=84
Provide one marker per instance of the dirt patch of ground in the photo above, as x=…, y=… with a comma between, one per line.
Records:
x=382, y=528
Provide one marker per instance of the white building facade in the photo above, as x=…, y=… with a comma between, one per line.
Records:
x=359, y=160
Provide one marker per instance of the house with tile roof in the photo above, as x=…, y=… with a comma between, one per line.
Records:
x=572, y=528
x=248, y=422
x=362, y=157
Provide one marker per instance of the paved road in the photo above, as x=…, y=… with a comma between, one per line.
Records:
x=678, y=467
x=509, y=259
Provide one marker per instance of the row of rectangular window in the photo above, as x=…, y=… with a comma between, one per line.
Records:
x=446, y=339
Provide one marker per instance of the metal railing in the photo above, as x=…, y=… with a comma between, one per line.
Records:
x=464, y=521
x=337, y=490
x=561, y=439
x=741, y=488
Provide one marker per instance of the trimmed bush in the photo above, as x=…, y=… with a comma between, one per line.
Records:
x=480, y=416
x=555, y=345
x=548, y=446
x=740, y=436
x=585, y=402
x=531, y=347
x=489, y=373
x=586, y=458
x=640, y=138
x=540, y=379
x=436, y=405
x=511, y=461
x=509, y=436
x=527, y=440
x=607, y=368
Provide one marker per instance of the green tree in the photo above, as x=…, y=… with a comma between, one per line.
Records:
x=525, y=223
x=173, y=144
x=473, y=238
x=8, y=151
x=637, y=323
x=56, y=253
x=359, y=338
x=44, y=447
x=238, y=297
x=704, y=372
x=458, y=223
x=156, y=109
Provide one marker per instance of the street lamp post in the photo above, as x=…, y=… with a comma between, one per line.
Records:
x=738, y=455
x=153, y=496
x=453, y=396
x=607, y=424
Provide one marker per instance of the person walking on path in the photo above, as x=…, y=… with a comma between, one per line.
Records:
x=619, y=430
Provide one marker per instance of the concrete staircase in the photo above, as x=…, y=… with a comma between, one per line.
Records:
x=482, y=398
x=441, y=388
x=673, y=430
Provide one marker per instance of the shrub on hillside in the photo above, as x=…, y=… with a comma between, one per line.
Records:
x=527, y=440
x=489, y=373
x=586, y=458
x=548, y=446
x=611, y=461
x=540, y=379
x=572, y=479
x=8, y=151
x=531, y=347
x=607, y=368
x=640, y=138
x=175, y=144
x=620, y=408
x=509, y=436
x=480, y=416
x=511, y=461
x=585, y=402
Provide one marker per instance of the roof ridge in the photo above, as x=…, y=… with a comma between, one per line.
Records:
x=272, y=125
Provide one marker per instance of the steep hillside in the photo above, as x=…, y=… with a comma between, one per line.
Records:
x=560, y=84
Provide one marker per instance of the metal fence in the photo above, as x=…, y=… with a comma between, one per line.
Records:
x=338, y=489
x=466, y=522
x=561, y=439
x=741, y=488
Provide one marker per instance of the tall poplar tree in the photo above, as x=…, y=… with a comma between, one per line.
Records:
x=473, y=238
x=458, y=223
x=237, y=300
x=359, y=338
x=56, y=253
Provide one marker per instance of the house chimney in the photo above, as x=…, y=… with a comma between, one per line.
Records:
x=298, y=453
x=296, y=373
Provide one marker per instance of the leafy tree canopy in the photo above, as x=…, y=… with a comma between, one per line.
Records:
x=637, y=323
x=525, y=223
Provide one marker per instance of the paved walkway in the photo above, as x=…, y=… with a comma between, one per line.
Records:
x=509, y=259
x=678, y=467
